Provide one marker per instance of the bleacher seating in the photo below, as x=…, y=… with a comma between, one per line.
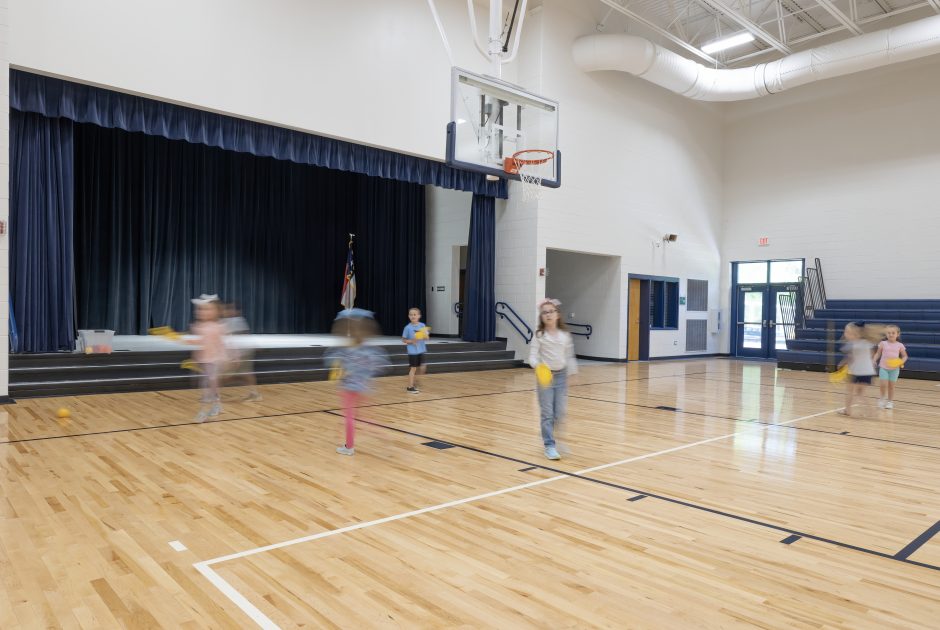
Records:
x=816, y=347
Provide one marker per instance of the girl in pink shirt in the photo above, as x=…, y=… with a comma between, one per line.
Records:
x=210, y=354
x=889, y=352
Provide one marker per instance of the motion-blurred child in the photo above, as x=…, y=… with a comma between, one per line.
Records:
x=358, y=364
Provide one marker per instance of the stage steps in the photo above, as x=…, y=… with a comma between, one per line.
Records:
x=68, y=374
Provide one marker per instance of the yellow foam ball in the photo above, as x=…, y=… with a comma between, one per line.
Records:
x=543, y=375
x=423, y=333
x=63, y=413
x=894, y=363
x=336, y=371
x=840, y=375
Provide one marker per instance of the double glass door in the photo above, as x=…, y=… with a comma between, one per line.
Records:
x=763, y=327
x=765, y=306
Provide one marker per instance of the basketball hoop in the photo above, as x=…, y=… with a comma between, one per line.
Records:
x=525, y=164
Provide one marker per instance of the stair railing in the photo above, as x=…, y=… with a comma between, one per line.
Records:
x=510, y=315
x=790, y=314
x=589, y=330
x=812, y=290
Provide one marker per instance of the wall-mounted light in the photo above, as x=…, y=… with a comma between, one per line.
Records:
x=670, y=238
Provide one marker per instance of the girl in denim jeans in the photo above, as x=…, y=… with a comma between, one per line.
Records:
x=552, y=346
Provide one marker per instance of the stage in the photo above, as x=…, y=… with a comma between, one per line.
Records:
x=146, y=363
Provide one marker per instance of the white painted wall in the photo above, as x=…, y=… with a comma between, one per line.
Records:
x=638, y=162
x=448, y=226
x=845, y=170
x=589, y=288
x=371, y=71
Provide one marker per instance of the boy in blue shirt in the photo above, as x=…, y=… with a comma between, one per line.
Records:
x=414, y=336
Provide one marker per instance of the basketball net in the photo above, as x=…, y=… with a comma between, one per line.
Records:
x=531, y=183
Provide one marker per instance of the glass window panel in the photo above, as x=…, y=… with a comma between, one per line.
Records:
x=754, y=307
x=785, y=270
x=781, y=339
x=750, y=273
x=752, y=335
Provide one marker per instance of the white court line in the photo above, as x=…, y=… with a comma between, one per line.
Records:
x=263, y=621
x=177, y=545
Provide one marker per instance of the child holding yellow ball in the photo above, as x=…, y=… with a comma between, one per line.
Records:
x=415, y=336
x=890, y=357
x=552, y=355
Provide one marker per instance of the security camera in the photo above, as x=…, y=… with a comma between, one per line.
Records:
x=670, y=238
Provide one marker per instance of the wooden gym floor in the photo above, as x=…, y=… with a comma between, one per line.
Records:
x=711, y=493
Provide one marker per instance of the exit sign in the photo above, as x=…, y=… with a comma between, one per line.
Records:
x=763, y=241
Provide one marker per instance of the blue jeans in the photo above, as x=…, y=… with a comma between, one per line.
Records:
x=553, y=401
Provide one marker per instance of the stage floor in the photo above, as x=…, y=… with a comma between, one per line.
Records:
x=144, y=343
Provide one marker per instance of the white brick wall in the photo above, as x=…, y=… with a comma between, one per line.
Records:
x=845, y=170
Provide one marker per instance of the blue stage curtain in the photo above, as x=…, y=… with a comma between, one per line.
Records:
x=42, y=277
x=105, y=108
x=479, y=311
x=159, y=222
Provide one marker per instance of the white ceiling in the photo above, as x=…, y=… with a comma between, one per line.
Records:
x=780, y=27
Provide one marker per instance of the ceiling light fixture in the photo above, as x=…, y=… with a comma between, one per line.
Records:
x=727, y=42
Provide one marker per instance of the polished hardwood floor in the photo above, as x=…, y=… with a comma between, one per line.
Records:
x=697, y=494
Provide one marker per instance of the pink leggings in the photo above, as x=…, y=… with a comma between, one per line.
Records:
x=349, y=400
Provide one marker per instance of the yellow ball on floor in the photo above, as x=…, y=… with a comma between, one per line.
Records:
x=63, y=413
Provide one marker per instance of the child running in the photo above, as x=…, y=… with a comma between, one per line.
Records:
x=890, y=357
x=858, y=358
x=553, y=346
x=415, y=336
x=210, y=354
x=359, y=364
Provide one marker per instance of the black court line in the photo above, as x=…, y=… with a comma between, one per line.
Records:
x=308, y=411
x=528, y=469
x=661, y=497
x=808, y=389
x=789, y=540
x=918, y=542
x=762, y=422
x=637, y=497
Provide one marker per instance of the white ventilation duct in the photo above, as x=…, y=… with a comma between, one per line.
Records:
x=663, y=67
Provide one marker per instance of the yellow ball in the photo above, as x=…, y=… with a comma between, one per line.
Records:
x=894, y=363
x=63, y=413
x=543, y=375
x=840, y=375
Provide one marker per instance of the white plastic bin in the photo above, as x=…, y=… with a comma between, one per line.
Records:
x=96, y=341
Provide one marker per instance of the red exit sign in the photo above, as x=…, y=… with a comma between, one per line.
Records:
x=763, y=241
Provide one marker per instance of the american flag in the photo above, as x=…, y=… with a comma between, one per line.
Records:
x=348, y=299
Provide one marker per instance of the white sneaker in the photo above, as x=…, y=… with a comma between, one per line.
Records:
x=201, y=416
x=215, y=410
x=342, y=450
x=253, y=397
x=889, y=405
x=882, y=403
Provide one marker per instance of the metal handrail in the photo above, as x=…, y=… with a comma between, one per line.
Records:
x=527, y=337
x=789, y=313
x=822, y=283
x=590, y=329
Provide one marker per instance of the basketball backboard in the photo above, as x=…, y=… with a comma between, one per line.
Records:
x=491, y=120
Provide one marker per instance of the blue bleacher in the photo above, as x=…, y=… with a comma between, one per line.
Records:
x=816, y=347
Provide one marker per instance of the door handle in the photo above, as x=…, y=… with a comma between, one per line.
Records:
x=771, y=323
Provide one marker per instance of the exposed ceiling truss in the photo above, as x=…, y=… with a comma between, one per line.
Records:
x=779, y=27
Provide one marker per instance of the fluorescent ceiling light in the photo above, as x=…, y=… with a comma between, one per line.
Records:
x=727, y=42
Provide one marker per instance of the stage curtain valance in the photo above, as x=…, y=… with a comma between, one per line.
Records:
x=57, y=98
